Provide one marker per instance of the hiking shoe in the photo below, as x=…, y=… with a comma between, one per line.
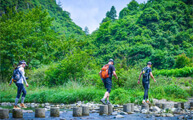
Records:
x=108, y=103
x=103, y=101
x=16, y=107
x=143, y=102
x=22, y=105
x=147, y=102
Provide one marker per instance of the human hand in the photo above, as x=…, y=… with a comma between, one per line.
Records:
x=154, y=80
x=27, y=85
x=9, y=84
x=138, y=82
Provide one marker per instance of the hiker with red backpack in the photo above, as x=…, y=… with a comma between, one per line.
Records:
x=146, y=72
x=106, y=74
x=18, y=78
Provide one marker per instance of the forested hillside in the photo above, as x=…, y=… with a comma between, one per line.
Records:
x=62, y=22
x=157, y=31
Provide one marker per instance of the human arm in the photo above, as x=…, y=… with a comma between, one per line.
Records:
x=10, y=81
x=152, y=76
x=114, y=74
x=139, y=77
x=100, y=75
x=23, y=76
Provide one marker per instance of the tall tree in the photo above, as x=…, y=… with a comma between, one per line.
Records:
x=86, y=30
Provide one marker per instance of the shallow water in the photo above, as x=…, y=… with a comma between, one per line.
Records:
x=68, y=116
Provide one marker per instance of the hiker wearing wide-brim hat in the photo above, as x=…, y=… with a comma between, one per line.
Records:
x=146, y=72
x=18, y=78
x=106, y=74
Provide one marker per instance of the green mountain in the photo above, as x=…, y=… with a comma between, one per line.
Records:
x=62, y=22
x=156, y=31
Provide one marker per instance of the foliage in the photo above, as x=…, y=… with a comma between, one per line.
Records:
x=181, y=72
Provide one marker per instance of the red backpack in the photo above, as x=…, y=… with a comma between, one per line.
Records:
x=105, y=71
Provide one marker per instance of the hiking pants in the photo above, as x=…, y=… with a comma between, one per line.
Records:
x=146, y=88
x=20, y=89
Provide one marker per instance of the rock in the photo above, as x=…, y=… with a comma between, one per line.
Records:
x=47, y=104
x=55, y=112
x=4, y=104
x=114, y=113
x=62, y=119
x=42, y=105
x=17, y=113
x=32, y=105
x=27, y=111
x=136, y=109
x=163, y=115
x=119, y=116
x=40, y=112
x=181, y=117
x=4, y=113
x=169, y=115
x=165, y=106
x=158, y=105
x=156, y=109
x=77, y=111
x=123, y=113
x=157, y=115
x=144, y=111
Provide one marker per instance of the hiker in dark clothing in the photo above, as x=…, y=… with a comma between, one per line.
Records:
x=20, y=85
x=146, y=71
x=106, y=76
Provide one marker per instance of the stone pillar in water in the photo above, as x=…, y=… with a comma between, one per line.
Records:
x=85, y=111
x=4, y=113
x=40, y=113
x=127, y=107
x=110, y=109
x=191, y=105
x=158, y=105
x=177, y=105
x=77, y=112
x=54, y=112
x=17, y=113
x=145, y=106
x=103, y=110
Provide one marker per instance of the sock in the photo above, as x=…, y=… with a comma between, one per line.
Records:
x=143, y=100
x=22, y=99
x=16, y=101
x=147, y=99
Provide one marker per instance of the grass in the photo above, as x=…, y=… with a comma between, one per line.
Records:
x=72, y=92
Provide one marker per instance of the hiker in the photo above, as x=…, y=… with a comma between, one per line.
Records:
x=146, y=71
x=106, y=74
x=19, y=83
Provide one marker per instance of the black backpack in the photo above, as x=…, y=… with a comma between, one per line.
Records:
x=146, y=72
x=16, y=74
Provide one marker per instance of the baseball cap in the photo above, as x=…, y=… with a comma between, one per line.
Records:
x=149, y=63
x=23, y=61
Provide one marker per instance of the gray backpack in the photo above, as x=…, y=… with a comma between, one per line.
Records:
x=16, y=74
x=146, y=72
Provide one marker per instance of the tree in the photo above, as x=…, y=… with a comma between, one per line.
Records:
x=112, y=13
x=86, y=30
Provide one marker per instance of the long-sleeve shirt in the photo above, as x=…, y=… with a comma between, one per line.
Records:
x=22, y=78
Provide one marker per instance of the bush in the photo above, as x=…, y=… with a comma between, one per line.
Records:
x=182, y=72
